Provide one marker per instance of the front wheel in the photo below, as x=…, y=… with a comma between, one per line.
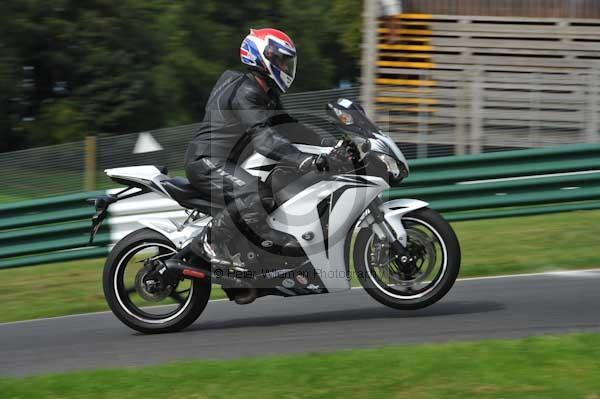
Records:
x=144, y=299
x=433, y=266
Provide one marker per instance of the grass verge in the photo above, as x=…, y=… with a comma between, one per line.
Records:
x=544, y=367
x=490, y=247
x=56, y=290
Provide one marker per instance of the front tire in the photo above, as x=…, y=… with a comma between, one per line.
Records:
x=119, y=295
x=430, y=240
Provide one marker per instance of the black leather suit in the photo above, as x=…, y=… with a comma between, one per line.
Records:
x=241, y=116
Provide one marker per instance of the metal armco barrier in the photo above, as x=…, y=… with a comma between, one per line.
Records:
x=504, y=184
x=528, y=182
x=48, y=230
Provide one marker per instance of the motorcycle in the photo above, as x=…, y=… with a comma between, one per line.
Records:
x=404, y=254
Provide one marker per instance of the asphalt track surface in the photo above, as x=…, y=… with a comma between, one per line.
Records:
x=507, y=307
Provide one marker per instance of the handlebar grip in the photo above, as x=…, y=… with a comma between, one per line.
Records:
x=322, y=162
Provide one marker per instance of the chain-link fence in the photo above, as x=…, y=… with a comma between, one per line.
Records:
x=472, y=113
x=43, y=171
x=61, y=169
x=118, y=151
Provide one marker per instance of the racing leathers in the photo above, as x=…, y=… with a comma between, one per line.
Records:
x=242, y=113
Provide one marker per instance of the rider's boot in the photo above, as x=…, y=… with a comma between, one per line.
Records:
x=202, y=251
x=264, y=236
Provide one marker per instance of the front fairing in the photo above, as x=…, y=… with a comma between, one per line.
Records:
x=350, y=118
x=385, y=145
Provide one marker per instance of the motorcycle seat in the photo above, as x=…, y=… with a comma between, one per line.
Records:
x=187, y=196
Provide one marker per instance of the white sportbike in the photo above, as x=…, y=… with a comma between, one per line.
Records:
x=404, y=254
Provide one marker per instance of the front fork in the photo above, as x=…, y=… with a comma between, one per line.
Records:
x=398, y=249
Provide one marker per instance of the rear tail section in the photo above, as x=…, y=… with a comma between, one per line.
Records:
x=138, y=179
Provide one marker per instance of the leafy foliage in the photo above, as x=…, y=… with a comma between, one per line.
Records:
x=69, y=68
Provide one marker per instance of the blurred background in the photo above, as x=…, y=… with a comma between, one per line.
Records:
x=75, y=68
x=496, y=103
x=80, y=79
x=91, y=85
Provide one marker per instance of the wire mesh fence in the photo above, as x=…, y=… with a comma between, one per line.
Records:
x=469, y=114
x=61, y=169
x=118, y=151
x=43, y=171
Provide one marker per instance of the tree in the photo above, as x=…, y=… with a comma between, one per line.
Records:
x=90, y=65
x=9, y=138
x=74, y=67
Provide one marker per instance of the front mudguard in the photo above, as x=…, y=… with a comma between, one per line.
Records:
x=393, y=212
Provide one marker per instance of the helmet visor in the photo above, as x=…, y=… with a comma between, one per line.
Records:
x=282, y=58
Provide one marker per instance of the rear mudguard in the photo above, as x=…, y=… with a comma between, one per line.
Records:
x=393, y=212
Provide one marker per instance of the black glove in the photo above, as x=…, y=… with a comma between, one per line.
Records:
x=319, y=162
x=307, y=164
x=322, y=162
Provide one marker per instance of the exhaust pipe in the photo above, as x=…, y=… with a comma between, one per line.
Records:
x=176, y=266
x=194, y=274
x=198, y=273
x=245, y=293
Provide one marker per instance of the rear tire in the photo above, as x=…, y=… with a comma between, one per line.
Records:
x=130, y=315
x=444, y=279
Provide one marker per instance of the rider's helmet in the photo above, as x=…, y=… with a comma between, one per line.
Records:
x=272, y=53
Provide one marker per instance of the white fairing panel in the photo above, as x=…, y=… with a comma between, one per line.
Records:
x=147, y=175
x=347, y=198
x=261, y=166
x=391, y=145
x=313, y=149
x=145, y=172
x=178, y=235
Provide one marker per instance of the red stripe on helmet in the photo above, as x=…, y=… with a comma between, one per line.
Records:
x=263, y=33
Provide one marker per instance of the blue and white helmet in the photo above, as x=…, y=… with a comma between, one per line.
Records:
x=272, y=52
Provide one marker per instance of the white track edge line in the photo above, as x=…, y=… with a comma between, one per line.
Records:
x=465, y=279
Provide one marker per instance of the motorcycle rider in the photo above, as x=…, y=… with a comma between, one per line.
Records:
x=243, y=109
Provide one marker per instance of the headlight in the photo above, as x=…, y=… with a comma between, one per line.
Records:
x=344, y=116
x=391, y=164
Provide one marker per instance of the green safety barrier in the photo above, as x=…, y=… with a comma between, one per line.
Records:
x=47, y=230
x=462, y=188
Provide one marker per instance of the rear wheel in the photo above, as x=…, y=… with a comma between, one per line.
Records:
x=140, y=296
x=433, y=265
